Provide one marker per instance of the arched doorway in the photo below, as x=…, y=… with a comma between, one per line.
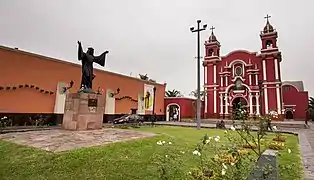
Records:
x=237, y=103
x=289, y=115
x=172, y=108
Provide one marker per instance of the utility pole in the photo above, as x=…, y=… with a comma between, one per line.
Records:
x=198, y=101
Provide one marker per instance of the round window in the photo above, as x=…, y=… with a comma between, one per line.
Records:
x=238, y=71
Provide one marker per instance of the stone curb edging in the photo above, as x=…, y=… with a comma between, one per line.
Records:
x=214, y=127
x=13, y=130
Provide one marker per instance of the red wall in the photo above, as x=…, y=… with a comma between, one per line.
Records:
x=19, y=68
x=270, y=69
x=187, y=110
x=291, y=96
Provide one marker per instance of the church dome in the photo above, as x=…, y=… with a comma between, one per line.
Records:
x=212, y=38
x=268, y=27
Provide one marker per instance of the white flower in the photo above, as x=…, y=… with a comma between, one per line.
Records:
x=169, y=142
x=182, y=152
x=189, y=172
x=166, y=156
x=223, y=172
x=232, y=164
x=163, y=142
x=274, y=128
x=232, y=128
x=224, y=166
x=289, y=151
x=217, y=138
x=196, y=152
x=159, y=143
x=4, y=117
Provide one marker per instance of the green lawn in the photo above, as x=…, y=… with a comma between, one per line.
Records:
x=127, y=160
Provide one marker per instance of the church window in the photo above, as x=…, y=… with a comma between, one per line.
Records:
x=210, y=52
x=269, y=44
x=238, y=71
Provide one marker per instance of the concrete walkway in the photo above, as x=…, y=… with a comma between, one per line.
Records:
x=306, y=143
x=306, y=140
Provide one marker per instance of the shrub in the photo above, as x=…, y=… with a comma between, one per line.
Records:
x=220, y=124
x=5, y=122
x=276, y=145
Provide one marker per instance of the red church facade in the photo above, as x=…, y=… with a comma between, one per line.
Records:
x=252, y=78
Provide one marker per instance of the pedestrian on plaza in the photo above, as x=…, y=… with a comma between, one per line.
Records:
x=269, y=124
x=175, y=117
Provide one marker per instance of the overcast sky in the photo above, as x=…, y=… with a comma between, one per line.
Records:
x=153, y=37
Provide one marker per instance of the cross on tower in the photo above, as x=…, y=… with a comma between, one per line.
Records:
x=212, y=29
x=267, y=17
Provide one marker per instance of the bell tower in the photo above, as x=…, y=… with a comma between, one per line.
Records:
x=212, y=57
x=270, y=77
x=212, y=46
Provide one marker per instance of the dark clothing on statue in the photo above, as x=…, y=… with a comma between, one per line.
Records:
x=87, y=65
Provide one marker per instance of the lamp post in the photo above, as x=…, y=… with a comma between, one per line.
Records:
x=154, y=98
x=154, y=101
x=223, y=111
x=198, y=102
x=260, y=83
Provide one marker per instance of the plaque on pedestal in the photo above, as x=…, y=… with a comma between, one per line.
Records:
x=83, y=111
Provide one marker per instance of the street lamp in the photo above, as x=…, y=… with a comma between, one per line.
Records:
x=198, y=102
x=154, y=100
x=223, y=108
x=260, y=83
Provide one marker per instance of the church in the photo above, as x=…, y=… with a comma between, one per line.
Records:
x=252, y=79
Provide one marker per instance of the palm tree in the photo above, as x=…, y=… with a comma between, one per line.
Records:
x=310, y=109
x=173, y=93
x=194, y=94
x=144, y=77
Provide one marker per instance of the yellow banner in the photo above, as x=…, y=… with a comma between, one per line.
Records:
x=148, y=97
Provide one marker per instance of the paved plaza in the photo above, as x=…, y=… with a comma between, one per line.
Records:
x=61, y=140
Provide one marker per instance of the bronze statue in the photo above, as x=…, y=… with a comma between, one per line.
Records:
x=88, y=59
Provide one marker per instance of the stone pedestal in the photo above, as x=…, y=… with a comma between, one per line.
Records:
x=83, y=111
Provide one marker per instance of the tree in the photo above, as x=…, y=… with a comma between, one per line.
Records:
x=173, y=93
x=194, y=94
x=144, y=77
x=310, y=109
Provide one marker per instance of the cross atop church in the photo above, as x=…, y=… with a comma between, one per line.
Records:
x=267, y=17
x=212, y=29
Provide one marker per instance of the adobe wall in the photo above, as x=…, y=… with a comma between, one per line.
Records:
x=298, y=100
x=19, y=68
x=187, y=106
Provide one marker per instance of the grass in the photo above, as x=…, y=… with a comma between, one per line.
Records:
x=126, y=160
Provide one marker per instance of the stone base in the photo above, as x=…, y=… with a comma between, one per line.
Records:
x=211, y=116
x=83, y=111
